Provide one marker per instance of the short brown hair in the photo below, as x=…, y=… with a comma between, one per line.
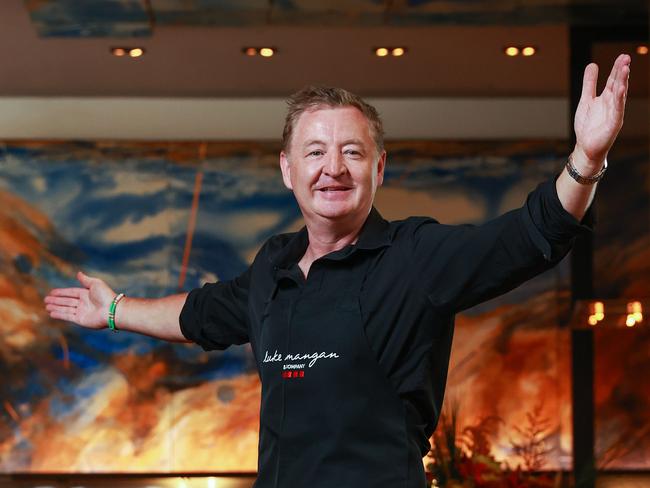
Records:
x=313, y=97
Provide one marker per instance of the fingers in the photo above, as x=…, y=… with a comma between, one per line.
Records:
x=619, y=74
x=66, y=292
x=624, y=75
x=61, y=311
x=69, y=302
x=589, y=81
x=620, y=85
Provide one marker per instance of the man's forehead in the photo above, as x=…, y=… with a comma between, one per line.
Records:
x=325, y=117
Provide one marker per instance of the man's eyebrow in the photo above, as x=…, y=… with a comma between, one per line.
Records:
x=312, y=142
x=358, y=142
x=347, y=142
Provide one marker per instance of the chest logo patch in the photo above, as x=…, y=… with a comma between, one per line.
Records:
x=294, y=364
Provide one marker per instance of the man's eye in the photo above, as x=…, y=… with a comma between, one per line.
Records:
x=352, y=152
x=315, y=153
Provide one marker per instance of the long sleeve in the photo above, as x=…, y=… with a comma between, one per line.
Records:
x=216, y=315
x=461, y=266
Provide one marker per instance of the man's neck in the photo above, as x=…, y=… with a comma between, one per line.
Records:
x=326, y=236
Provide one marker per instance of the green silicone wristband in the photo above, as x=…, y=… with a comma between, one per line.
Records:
x=111, y=312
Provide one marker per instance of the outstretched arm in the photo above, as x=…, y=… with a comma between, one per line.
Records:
x=597, y=122
x=89, y=304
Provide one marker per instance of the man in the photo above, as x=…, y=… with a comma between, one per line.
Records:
x=351, y=319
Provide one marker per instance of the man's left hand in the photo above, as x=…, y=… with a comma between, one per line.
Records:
x=599, y=118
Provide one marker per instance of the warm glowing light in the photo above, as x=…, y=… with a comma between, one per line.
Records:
x=528, y=51
x=642, y=50
x=597, y=312
x=212, y=482
x=636, y=310
x=250, y=51
x=398, y=51
x=512, y=51
x=136, y=52
x=381, y=52
x=182, y=484
x=267, y=52
x=118, y=51
x=630, y=322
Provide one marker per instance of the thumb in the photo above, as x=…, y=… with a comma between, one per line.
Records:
x=84, y=279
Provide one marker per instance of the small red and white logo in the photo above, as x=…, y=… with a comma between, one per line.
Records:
x=293, y=374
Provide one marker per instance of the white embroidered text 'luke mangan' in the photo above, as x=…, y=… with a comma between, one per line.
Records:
x=314, y=356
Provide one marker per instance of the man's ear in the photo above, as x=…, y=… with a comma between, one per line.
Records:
x=381, y=164
x=285, y=166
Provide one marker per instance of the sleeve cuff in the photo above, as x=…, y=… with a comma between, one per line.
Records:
x=187, y=319
x=191, y=326
x=550, y=226
x=567, y=225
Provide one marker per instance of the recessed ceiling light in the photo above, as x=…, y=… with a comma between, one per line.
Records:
x=382, y=52
x=642, y=50
x=265, y=52
x=134, y=52
x=529, y=51
x=526, y=51
x=511, y=51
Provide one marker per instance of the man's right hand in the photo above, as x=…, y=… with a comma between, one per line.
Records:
x=87, y=305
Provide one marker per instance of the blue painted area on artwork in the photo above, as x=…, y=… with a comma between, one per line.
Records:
x=79, y=360
x=68, y=18
x=85, y=200
x=31, y=388
x=70, y=396
x=101, y=256
x=73, y=10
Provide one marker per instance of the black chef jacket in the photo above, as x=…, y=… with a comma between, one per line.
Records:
x=353, y=360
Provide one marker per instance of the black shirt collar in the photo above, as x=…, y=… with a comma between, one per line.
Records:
x=374, y=235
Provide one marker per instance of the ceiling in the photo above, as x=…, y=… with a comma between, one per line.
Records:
x=194, y=47
x=124, y=18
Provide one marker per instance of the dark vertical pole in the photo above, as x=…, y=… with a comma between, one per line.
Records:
x=582, y=279
x=582, y=363
x=582, y=255
x=582, y=341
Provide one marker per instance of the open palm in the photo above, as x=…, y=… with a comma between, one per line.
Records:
x=87, y=305
x=598, y=119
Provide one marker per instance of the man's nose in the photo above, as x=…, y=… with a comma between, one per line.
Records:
x=335, y=165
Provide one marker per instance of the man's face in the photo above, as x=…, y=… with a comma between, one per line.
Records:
x=332, y=164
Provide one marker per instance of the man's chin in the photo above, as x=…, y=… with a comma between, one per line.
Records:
x=334, y=210
x=339, y=211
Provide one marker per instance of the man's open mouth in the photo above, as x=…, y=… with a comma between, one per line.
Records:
x=334, y=188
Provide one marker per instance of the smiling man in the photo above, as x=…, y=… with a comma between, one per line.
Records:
x=333, y=160
x=351, y=319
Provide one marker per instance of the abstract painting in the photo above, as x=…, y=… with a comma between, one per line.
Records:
x=157, y=218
